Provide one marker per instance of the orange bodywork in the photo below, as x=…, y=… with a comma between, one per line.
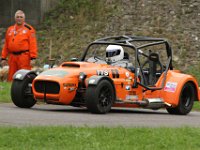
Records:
x=66, y=96
x=199, y=92
x=67, y=78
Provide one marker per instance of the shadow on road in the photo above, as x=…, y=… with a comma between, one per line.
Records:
x=70, y=109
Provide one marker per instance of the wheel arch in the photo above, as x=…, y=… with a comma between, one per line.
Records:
x=21, y=92
x=188, y=80
x=94, y=80
x=187, y=97
x=178, y=80
x=193, y=81
x=196, y=88
x=21, y=74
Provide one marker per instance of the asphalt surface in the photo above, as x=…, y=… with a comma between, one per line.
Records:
x=54, y=115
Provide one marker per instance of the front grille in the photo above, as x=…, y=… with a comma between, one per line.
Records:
x=47, y=87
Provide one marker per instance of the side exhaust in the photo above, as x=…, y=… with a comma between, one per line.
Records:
x=155, y=103
x=152, y=103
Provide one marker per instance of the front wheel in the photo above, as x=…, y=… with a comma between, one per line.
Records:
x=21, y=92
x=186, y=100
x=100, y=98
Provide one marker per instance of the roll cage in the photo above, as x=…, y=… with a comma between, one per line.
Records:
x=128, y=41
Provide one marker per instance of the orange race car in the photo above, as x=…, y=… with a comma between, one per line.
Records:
x=121, y=71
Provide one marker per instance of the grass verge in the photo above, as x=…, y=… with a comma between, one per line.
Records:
x=5, y=92
x=99, y=138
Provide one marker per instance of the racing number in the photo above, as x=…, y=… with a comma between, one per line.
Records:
x=102, y=73
x=115, y=73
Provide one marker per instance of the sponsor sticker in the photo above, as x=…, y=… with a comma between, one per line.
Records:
x=127, y=74
x=170, y=87
x=69, y=84
x=24, y=31
x=131, y=97
x=128, y=87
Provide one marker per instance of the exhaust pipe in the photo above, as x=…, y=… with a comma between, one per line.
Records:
x=155, y=103
x=152, y=103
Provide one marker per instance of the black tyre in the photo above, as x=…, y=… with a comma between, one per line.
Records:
x=100, y=98
x=186, y=100
x=21, y=92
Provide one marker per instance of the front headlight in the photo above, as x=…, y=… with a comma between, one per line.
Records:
x=82, y=76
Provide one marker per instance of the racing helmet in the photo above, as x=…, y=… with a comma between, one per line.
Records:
x=114, y=53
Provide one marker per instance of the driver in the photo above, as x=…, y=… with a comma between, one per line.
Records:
x=115, y=57
x=114, y=53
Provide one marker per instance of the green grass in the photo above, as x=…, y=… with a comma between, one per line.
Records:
x=196, y=106
x=99, y=138
x=5, y=92
x=195, y=71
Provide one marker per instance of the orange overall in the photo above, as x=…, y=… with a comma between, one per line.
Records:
x=21, y=46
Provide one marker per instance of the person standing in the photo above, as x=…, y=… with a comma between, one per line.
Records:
x=20, y=46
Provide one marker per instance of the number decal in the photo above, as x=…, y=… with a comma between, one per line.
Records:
x=102, y=72
x=115, y=73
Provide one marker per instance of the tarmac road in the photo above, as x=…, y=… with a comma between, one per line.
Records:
x=54, y=115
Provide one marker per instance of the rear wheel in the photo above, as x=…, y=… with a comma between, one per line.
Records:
x=100, y=98
x=21, y=92
x=186, y=100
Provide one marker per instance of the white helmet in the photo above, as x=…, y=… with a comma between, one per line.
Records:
x=114, y=53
